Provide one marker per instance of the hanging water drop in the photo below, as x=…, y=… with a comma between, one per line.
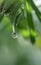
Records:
x=14, y=35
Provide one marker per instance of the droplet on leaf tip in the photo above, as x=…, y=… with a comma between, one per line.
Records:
x=14, y=35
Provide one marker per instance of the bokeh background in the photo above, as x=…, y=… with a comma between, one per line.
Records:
x=20, y=51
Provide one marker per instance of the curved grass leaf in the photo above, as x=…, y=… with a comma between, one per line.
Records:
x=15, y=21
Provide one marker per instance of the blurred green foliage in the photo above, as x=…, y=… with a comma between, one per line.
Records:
x=18, y=14
x=18, y=10
x=21, y=15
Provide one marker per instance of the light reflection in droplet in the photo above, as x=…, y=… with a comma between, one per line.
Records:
x=14, y=35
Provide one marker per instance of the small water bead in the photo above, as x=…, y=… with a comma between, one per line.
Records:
x=14, y=35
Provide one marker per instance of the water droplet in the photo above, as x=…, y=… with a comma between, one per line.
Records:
x=14, y=35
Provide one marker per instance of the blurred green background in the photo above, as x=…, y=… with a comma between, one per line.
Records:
x=19, y=51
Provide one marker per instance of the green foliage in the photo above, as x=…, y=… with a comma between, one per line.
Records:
x=38, y=13
x=20, y=14
x=1, y=17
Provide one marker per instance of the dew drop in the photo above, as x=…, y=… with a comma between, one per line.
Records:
x=14, y=35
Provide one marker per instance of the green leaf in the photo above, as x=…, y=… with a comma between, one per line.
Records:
x=15, y=21
x=30, y=22
x=38, y=13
